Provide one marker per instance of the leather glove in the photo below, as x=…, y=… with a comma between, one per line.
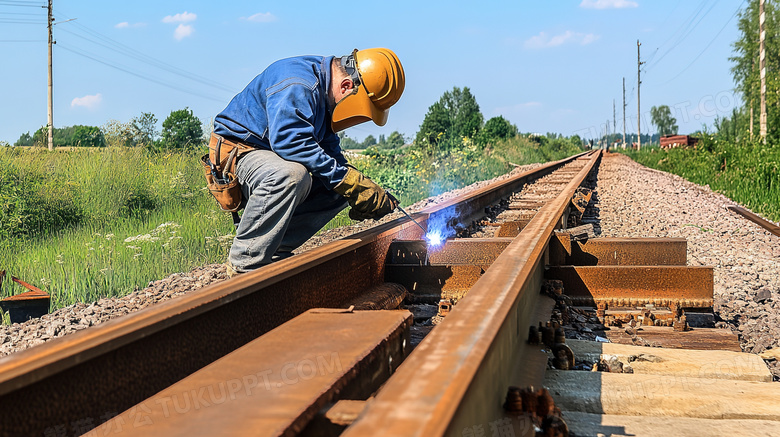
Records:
x=367, y=199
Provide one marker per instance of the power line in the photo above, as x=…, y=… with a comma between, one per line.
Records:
x=128, y=51
x=131, y=53
x=128, y=71
x=708, y=45
x=684, y=31
x=21, y=4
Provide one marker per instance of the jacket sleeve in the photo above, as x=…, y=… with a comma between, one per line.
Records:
x=332, y=144
x=291, y=133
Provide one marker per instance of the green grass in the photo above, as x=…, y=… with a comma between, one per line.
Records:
x=746, y=172
x=90, y=224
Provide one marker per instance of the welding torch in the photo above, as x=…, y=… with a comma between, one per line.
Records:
x=398, y=206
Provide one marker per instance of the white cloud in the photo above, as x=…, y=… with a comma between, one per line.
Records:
x=261, y=17
x=608, y=4
x=126, y=25
x=89, y=102
x=543, y=40
x=182, y=31
x=184, y=17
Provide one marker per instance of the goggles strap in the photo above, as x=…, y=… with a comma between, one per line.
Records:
x=349, y=64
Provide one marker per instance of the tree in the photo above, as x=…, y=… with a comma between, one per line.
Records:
x=25, y=140
x=466, y=120
x=454, y=117
x=346, y=142
x=368, y=142
x=394, y=141
x=118, y=134
x=663, y=120
x=497, y=128
x=86, y=136
x=182, y=130
x=144, y=129
x=435, y=125
x=746, y=72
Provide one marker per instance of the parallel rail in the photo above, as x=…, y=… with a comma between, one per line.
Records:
x=94, y=374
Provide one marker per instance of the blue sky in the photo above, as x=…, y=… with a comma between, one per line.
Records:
x=545, y=66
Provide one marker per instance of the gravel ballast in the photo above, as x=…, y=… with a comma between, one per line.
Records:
x=634, y=201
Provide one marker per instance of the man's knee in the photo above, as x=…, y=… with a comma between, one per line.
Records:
x=297, y=178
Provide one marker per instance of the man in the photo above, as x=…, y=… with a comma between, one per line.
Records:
x=295, y=178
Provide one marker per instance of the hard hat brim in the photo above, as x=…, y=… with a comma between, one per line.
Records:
x=357, y=108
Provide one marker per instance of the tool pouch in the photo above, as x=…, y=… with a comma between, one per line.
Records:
x=226, y=190
x=219, y=167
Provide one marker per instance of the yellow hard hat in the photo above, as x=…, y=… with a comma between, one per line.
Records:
x=379, y=82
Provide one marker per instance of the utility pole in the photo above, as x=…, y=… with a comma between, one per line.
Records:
x=614, y=120
x=762, y=67
x=624, y=113
x=50, y=22
x=638, y=107
x=638, y=110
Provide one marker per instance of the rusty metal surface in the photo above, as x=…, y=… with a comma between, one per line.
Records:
x=480, y=251
x=24, y=306
x=766, y=224
x=511, y=228
x=621, y=252
x=697, y=338
x=385, y=296
x=33, y=293
x=636, y=285
x=95, y=373
x=276, y=384
x=432, y=283
x=458, y=375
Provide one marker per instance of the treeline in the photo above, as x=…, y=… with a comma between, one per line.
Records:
x=71, y=136
x=181, y=130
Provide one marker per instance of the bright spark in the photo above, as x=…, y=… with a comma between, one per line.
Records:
x=434, y=238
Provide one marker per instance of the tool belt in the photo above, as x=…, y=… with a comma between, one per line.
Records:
x=219, y=167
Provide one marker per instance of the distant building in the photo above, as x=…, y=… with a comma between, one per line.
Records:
x=672, y=141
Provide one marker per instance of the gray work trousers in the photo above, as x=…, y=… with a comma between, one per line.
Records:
x=283, y=207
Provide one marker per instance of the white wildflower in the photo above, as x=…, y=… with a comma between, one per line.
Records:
x=145, y=238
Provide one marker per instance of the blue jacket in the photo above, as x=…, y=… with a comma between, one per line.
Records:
x=285, y=109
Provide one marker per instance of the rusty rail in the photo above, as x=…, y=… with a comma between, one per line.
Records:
x=458, y=376
x=97, y=373
x=755, y=218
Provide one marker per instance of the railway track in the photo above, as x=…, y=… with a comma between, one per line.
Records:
x=281, y=351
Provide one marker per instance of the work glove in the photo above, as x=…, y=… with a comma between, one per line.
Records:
x=367, y=199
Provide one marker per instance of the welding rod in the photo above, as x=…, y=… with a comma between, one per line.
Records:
x=398, y=205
